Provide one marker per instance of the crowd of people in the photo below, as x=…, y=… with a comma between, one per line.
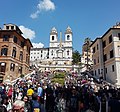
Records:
x=78, y=94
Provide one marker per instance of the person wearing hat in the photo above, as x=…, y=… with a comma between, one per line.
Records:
x=30, y=92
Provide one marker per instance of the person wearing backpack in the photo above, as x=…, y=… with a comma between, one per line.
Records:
x=35, y=104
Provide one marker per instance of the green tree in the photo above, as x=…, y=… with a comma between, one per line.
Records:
x=76, y=58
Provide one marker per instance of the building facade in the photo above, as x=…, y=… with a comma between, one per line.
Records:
x=106, y=55
x=14, y=52
x=58, y=56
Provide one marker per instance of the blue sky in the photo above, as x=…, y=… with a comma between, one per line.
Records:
x=87, y=18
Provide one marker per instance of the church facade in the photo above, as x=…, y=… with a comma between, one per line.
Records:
x=58, y=56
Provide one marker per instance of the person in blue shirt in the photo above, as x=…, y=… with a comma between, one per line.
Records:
x=39, y=92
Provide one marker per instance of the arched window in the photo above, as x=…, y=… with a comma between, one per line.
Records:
x=68, y=37
x=4, y=51
x=2, y=67
x=12, y=67
x=52, y=37
x=21, y=56
x=14, y=52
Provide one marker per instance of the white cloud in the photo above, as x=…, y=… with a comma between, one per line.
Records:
x=27, y=33
x=38, y=45
x=45, y=5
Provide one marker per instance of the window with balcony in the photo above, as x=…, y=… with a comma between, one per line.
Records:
x=6, y=37
x=14, y=52
x=12, y=67
x=110, y=38
x=111, y=54
x=4, y=51
x=2, y=67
